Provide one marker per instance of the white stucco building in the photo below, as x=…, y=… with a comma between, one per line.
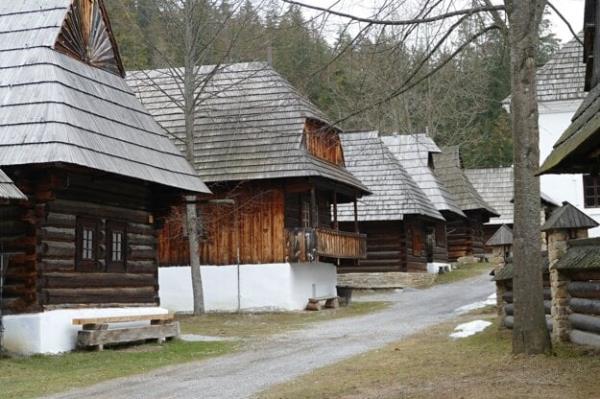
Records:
x=560, y=86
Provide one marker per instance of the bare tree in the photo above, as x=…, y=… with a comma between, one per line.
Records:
x=196, y=52
x=522, y=26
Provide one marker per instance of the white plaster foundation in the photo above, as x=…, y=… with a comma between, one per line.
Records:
x=434, y=267
x=52, y=332
x=270, y=287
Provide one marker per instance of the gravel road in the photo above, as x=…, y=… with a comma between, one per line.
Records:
x=283, y=357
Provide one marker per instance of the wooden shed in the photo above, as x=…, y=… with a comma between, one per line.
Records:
x=416, y=152
x=501, y=243
x=404, y=230
x=465, y=236
x=97, y=170
x=276, y=166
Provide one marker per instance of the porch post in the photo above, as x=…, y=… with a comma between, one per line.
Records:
x=355, y=215
x=314, y=211
x=335, y=211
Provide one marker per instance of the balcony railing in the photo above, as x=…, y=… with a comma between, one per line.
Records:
x=310, y=244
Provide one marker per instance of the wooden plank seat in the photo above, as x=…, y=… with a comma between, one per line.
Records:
x=330, y=301
x=96, y=333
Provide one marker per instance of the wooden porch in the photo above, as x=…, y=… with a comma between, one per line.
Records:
x=307, y=244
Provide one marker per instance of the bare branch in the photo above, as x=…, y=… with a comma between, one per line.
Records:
x=562, y=17
x=416, y=21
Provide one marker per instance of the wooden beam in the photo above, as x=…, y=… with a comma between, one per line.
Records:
x=355, y=215
x=314, y=210
x=335, y=211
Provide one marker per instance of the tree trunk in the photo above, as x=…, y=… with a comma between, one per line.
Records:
x=530, y=334
x=190, y=117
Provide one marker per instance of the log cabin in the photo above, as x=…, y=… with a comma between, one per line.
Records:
x=271, y=238
x=495, y=185
x=405, y=232
x=415, y=152
x=465, y=236
x=96, y=169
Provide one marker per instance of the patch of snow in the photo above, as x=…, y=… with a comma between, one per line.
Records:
x=471, y=328
x=489, y=301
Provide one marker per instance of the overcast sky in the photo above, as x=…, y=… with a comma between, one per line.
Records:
x=571, y=9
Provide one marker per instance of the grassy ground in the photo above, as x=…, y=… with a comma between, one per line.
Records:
x=30, y=377
x=463, y=272
x=432, y=365
x=260, y=324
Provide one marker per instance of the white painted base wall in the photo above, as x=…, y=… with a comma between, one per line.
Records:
x=435, y=267
x=52, y=332
x=271, y=287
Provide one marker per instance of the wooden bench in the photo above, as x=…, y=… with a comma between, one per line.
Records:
x=96, y=332
x=331, y=302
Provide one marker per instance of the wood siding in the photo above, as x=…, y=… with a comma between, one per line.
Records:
x=252, y=223
x=323, y=142
x=43, y=273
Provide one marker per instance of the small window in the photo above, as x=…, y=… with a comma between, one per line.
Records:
x=116, y=237
x=87, y=244
x=591, y=191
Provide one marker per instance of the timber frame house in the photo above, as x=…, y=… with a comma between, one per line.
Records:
x=274, y=162
x=466, y=237
x=416, y=153
x=405, y=232
x=98, y=172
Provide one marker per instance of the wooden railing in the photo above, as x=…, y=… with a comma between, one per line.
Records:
x=309, y=244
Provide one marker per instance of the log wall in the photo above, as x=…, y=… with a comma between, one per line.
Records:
x=466, y=236
x=44, y=274
x=584, y=307
x=506, y=301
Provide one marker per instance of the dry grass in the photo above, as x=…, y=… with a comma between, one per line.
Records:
x=261, y=324
x=432, y=365
x=464, y=272
x=30, y=377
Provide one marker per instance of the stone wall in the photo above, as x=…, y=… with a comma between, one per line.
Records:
x=385, y=280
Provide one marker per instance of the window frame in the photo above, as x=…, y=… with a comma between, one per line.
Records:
x=591, y=182
x=84, y=264
x=116, y=265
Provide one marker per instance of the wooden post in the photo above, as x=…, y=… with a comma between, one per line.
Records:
x=355, y=215
x=335, y=212
x=314, y=210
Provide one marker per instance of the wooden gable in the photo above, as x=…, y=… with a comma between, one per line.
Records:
x=323, y=142
x=86, y=35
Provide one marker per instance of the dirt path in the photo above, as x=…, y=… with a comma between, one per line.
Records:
x=281, y=358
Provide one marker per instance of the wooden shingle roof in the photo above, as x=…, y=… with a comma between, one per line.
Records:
x=249, y=125
x=496, y=186
x=502, y=236
x=414, y=151
x=8, y=189
x=448, y=168
x=57, y=109
x=569, y=216
x=562, y=77
x=581, y=255
x=395, y=193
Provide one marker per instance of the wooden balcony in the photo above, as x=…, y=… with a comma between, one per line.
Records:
x=312, y=244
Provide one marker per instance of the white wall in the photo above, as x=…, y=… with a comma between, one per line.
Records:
x=555, y=118
x=270, y=287
x=53, y=331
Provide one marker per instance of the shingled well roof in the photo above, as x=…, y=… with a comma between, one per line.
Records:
x=395, y=193
x=8, y=189
x=414, y=152
x=568, y=216
x=502, y=236
x=55, y=108
x=249, y=125
x=448, y=168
